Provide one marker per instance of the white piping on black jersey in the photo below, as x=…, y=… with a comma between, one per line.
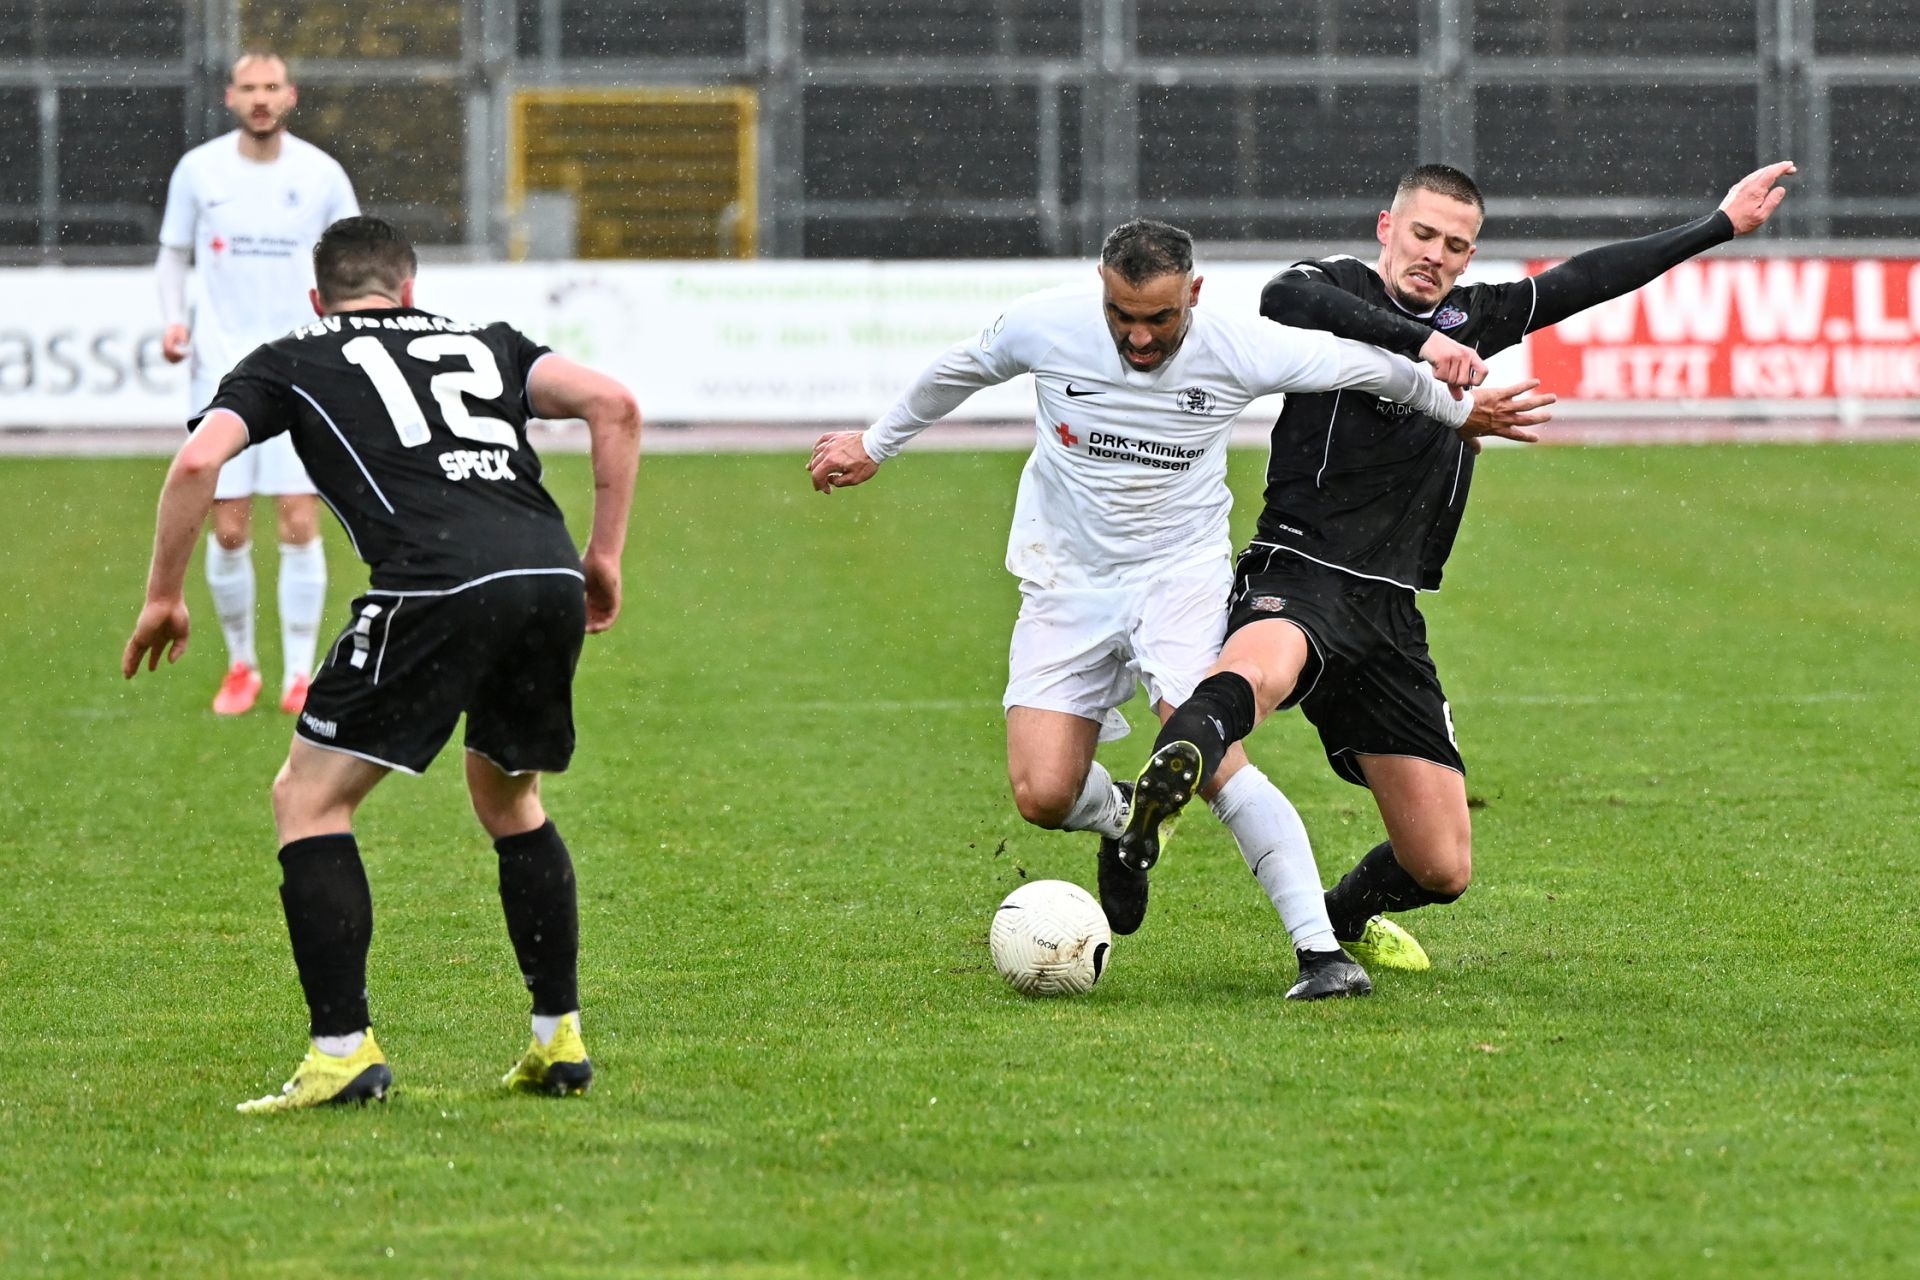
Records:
x=526, y=388
x=386, y=634
x=1326, y=454
x=474, y=582
x=511, y=773
x=1459, y=465
x=1340, y=568
x=358, y=755
x=327, y=418
x=1534, y=282
x=344, y=525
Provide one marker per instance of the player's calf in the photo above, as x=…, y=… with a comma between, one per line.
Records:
x=1378, y=883
x=1220, y=712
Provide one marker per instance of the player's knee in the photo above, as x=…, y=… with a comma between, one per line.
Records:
x=299, y=524
x=1446, y=878
x=1042, y=802
x=500, y=817
x=292, y=798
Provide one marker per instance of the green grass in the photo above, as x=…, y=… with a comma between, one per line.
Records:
x=1670, y=1032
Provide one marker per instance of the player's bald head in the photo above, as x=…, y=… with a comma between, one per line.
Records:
x=1144, y=249
x=362, y=257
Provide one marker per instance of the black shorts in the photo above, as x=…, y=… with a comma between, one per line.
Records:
x=1369, y=685
x=501, y=650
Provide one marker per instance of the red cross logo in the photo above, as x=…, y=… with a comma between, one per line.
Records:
x=1066, y=435
x=217, y=245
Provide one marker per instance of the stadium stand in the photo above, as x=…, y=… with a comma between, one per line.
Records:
x=961, y=128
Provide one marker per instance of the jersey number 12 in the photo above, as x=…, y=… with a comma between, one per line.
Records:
x=480, y=379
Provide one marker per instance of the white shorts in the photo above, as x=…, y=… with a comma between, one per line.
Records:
x=1082, y=652
x=270, y=468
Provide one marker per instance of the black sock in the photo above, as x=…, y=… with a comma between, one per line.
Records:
x=1377, y=883
x=543, y=916
x=323, y=889
x=1219, y=714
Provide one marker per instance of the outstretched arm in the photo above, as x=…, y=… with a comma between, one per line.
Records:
x=185, y=498
x=1310, y=361
x=559, y=388
x=1601, y=274
x=842, y=459
x=1295, y=297
x=1507, y=412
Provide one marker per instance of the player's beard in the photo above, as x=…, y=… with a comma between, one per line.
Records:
x=262, y=127
x=1166, y=352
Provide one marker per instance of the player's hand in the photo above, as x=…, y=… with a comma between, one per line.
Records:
x=1454, y=363
x=173, y=343
x=1752, y=200
x=603, y=591
x=1507, y=412
x=840, y=461
x=162, y=623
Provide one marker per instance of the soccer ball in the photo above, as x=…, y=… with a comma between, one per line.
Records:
x=1050, y=938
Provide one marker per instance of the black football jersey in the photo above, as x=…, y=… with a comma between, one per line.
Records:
x=413, y=428
x=1369, y=486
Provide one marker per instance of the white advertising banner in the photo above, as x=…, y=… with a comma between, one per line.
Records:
x=733, y=342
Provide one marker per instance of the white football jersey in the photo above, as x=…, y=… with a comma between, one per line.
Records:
x=251, y=228
x=1127, y=478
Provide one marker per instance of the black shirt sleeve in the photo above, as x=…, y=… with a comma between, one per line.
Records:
x=1590, y=278
x=257, y=393
x=1308, y=296
x=519, y=354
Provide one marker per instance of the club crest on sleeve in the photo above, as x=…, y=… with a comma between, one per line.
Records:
x=1195, y=400
x=1449, y=318
x=1268, y=604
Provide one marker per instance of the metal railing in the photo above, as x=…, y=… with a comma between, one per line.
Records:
x=1029, y=133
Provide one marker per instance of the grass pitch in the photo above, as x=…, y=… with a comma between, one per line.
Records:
x=1670, y=1032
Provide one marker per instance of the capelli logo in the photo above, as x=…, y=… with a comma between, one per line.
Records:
x=325, y=728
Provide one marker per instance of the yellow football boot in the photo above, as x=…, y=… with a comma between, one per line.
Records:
x=1385, y=945
x=558, y=1067
x=323, y=1080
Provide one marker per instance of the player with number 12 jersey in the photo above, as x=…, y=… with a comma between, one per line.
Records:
x=413, y=427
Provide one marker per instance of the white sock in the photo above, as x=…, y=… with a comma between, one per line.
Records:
x=1274, y=843
x=545, y=1025
x=339, y=1046
x=1099, y=807
x=230, y=575
x=303, y=594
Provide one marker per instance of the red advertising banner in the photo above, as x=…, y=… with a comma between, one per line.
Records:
x=1745, y=329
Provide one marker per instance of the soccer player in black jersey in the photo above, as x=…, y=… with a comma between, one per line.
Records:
x=413, y=427
x=1362, y=505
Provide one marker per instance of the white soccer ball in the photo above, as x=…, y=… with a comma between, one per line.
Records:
x=1050, y=938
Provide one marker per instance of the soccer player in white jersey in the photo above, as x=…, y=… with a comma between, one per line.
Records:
x=1120, y=536
x=244, y=211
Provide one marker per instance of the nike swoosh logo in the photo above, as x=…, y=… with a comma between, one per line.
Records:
x=214, y=204
x=1079, y=394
